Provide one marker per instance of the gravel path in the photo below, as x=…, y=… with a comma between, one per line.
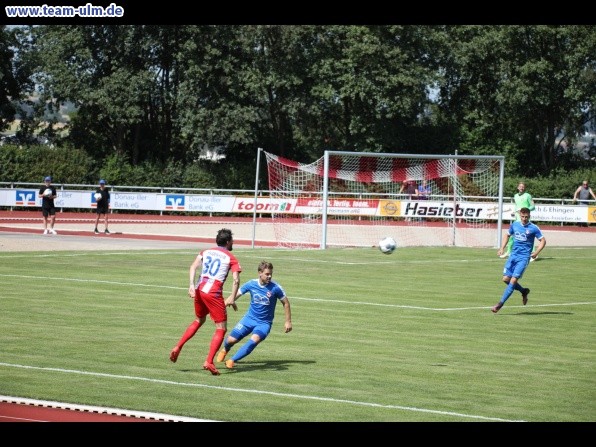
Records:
x=38, y=242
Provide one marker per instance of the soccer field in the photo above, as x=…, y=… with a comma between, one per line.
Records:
x=404, y=337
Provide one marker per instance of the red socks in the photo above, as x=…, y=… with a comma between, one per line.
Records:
x=189, y=333
x=216, y=342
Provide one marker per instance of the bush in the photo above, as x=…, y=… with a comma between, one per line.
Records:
x=74, y=166
x=33, y=163
x=561, y=184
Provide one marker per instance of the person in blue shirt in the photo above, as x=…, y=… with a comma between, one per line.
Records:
x=522, y=199
x=524, y=232
x=264, y=294
x=424, y=191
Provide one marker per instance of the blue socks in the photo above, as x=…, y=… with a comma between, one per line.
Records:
x=246, y=349
x=518, y=286
x=509, y=291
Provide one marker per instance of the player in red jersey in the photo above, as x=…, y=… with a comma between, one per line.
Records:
x=215, y=264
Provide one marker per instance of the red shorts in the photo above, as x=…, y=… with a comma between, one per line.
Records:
x=212, y=305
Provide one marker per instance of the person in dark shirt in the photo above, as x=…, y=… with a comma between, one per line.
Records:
x=103, y=205
x=47, y=193
x=409, y=188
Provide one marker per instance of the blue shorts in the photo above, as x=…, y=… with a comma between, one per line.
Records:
x=515, y=267
x=248, y=326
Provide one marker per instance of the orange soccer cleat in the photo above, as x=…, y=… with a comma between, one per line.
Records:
x=221, y=355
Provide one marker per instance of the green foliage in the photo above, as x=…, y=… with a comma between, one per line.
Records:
x=33, y=163
x=420, y=345
x=119, y=171
x=116, y=170
x=198, y=175
x=560, y=184
x=519, y=85
x=12, y=163
x=13, y=77
x=156, y=96
x=67, y=165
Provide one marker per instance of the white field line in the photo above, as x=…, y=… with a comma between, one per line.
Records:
x=260, y=392
x=322, y=300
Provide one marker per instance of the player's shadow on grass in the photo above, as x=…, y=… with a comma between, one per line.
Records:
x=271, y=365
x=543, y=313
x=543, y=258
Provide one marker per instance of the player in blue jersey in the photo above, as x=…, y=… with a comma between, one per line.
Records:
x=524, y=232
x=264, y=294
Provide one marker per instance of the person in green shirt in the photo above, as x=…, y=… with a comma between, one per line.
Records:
x=522, y=199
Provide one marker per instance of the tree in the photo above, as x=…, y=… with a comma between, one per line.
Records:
x=122, y=80
x=165, y=94
x=14, y=77
x=369, y=87
x=513, y=89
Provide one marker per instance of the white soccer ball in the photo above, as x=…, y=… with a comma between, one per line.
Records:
x=47, y=192
x=97, y=196
x=387, y=245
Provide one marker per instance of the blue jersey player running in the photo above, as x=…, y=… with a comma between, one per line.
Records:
x=524, y=232
x=257, y=321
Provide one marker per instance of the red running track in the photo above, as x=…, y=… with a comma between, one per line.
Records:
x=15, y=409
x=13, y=412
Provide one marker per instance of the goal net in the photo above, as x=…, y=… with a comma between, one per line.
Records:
x=353, y=199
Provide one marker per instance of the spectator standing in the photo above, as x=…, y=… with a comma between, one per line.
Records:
x=583, y=194
x=214, y=265
x=47, y=193
x=257, y=322
x=103, y=205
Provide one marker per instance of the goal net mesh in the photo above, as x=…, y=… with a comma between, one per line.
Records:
x=355, y=199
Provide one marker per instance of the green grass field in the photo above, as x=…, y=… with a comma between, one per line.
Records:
x=406, y=337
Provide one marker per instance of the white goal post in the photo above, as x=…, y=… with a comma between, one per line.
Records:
x=354, y=199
